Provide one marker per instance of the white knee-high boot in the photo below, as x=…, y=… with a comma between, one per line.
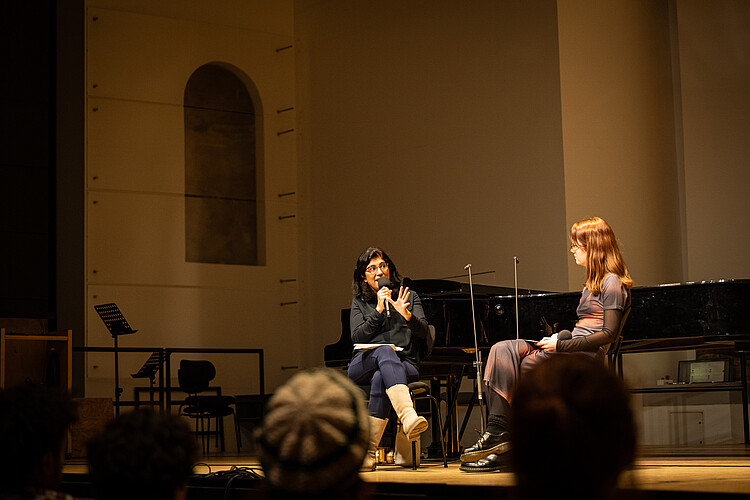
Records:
x=377, y=427
x=412, y=423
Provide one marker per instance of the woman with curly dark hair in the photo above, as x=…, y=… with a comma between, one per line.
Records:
x=387, y=324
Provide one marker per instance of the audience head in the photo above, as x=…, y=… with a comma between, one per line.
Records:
x=34, y=423
x=360, y=287
x=572, y=429
x=314, y=436
x=142, y=455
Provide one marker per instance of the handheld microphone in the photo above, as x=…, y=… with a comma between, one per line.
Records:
x=564, y=335
x=385, y=281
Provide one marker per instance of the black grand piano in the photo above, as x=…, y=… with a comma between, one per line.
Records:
x=693, y=315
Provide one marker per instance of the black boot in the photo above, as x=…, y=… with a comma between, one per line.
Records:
x=487, y=444
x=490, y=463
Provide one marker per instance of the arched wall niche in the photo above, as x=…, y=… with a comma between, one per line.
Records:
x=224, y=201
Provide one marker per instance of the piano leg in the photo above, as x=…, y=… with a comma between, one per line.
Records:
x=469, y=409
x=435, y=450
x=452, y=446
x=453, y=385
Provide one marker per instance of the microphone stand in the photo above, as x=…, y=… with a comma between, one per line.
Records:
x=478, y=353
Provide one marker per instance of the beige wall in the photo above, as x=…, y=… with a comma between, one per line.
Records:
x=455, y=106
x=447, y=132
x=618, y=130
x=714, y=43
x=431, y=129
x=139, y=58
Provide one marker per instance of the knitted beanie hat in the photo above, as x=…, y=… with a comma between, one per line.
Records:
x=315, y=433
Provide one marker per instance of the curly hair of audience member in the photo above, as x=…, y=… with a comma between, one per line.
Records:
x=142, y=454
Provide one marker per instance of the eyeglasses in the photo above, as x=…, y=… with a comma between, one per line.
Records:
x=373, y=269
x=574, y=247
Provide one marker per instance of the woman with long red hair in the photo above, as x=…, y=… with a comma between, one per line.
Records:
x=605, y=297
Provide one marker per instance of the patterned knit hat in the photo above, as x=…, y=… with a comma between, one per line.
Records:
x=315, y=433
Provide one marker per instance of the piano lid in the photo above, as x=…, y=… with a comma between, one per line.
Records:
x=702, y=308
x=442, y=288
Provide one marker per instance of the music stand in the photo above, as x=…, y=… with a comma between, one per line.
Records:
x=149, y=369
x=117, y=325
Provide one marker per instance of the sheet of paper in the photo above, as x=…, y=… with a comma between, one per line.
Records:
x=374, y=346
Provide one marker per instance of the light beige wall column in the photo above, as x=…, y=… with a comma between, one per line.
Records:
x=618, y=130
x=714, y=43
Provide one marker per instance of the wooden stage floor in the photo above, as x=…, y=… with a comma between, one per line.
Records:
x=700, y=472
